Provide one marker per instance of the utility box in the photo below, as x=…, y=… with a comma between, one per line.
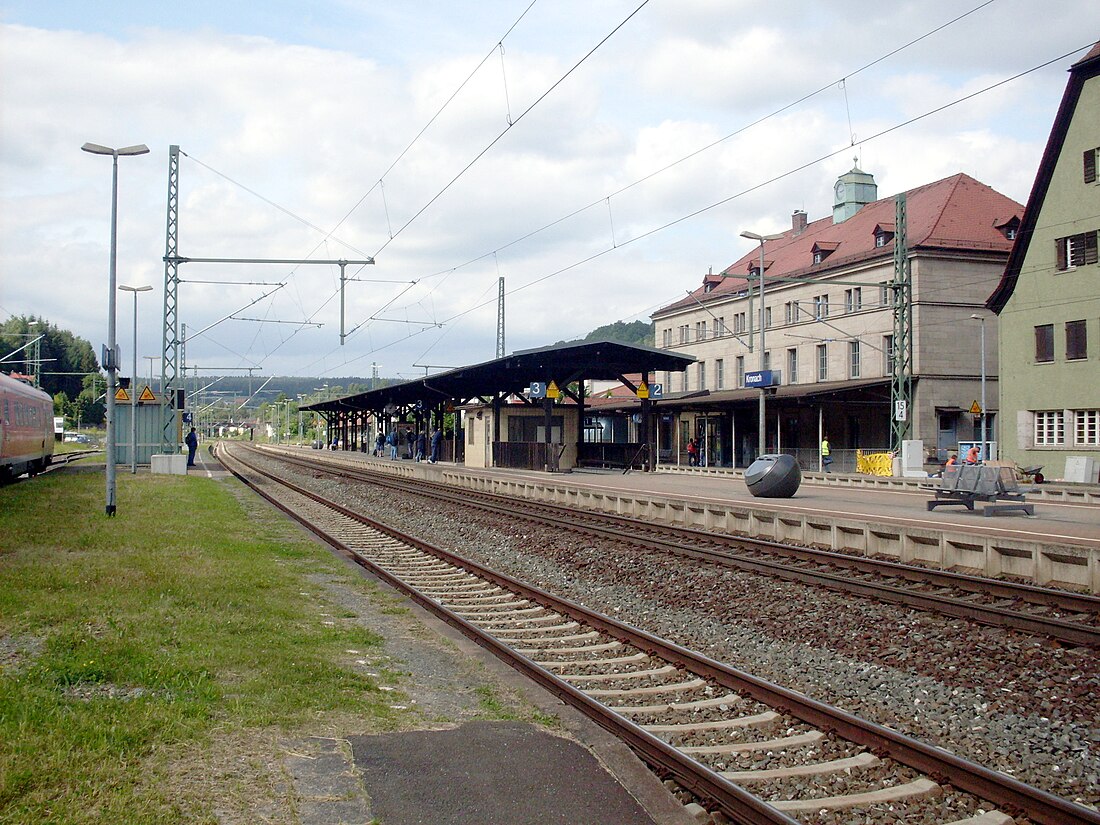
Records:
x=174, y=465
x=912, y=459
x=1082, y=469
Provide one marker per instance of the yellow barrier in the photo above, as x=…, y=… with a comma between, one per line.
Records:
x=875, y=464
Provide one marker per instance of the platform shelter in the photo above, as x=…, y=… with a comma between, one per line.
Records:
x=526, y=410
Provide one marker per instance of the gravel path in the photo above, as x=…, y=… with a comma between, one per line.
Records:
x=1016, y=703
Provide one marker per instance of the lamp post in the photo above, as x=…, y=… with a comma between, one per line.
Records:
x=985, y=438
x=752, y=236
x=133, y=381
x=112, y=365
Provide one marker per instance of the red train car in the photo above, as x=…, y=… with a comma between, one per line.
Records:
x=26, y=428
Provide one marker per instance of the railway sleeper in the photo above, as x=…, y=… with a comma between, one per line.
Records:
x=567, y=651
x=863, y=760
x=918, y=788
x=757, y=720
x=620, y=660
x=585, y=678
x=652, y=690
x=723, y=703
x=799, y=739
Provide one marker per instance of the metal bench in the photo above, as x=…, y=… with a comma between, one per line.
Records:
x=966, y=483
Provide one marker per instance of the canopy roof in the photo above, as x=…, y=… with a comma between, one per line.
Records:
x=513, y=374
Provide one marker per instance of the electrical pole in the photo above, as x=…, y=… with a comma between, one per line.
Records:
x=901, y=384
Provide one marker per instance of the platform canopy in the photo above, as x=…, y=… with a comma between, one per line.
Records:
x=513, y=374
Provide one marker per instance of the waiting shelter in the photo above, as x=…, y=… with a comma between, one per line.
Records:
x=526, y=410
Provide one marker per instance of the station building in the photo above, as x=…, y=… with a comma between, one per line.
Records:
x=1048, y=302
x=828, y=329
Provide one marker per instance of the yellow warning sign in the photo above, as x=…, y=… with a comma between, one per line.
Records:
x=552, y=391
x=975, y=408
x=146, y=395
x=121, y=394
x=643, y=390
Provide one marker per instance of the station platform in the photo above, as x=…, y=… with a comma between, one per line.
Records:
x=1058, y=546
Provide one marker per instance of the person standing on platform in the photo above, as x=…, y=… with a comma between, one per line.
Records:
x=826, y=458
x=410, y=440
x=379, y=444
x=421, y=445
x=973, y=455
x=192, y=442
x=437, y=442
x=693, y=452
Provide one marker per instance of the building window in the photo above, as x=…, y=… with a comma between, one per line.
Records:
x=684, y=334
x=819, y=256
x=767, y=317
x=740, y=370
x=884, y=294
x=700, y=330
x=822, y=362
x=792, y=366
x=739, y=321
x=1050, y=428
x=1090, y=164
x=1044, y=343
x=1076, y=343
x=702, y=375
x=788, y=313
x=720, y=373
x=666, y=338
x=883, y=238
x=821, y=306
x=668, y=380
x=767, y=359
x=1087, y=428
x=853, y=299
x=853, y=359
x=888, y=355
x=1076, y=250
x=717, y=328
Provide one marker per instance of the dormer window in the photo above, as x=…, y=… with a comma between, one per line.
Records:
x=884, y=233
x=822, y=250
x=1009, y=228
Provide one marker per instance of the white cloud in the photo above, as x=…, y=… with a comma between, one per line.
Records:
x=312, y=127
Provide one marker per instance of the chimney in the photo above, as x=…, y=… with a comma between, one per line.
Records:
x=798, y=222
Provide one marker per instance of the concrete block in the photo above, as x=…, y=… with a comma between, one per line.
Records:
x=175, y=465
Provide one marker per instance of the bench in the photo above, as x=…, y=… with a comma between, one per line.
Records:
x=966, y=483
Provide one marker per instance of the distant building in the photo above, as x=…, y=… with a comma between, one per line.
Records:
x=1048, y=301
x=829, y=328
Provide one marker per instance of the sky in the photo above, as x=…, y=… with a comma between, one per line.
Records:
x=600, y=156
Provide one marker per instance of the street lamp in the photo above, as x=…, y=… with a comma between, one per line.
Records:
x=133, y=381
x=111, y=359
x=985, y=436
x=752, y=236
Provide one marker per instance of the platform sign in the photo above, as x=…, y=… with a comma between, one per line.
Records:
x=537, y=389
x=763, y=378
x=975, y=408
x=656, y=390
x=188, y=417
x=643, y=390
x=552, y=390
x=121, y=394
x=901, y=410
x=147, y=396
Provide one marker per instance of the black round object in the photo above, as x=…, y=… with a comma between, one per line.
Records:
x=773, y=476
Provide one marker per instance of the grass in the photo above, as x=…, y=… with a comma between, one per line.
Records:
x=180, y=639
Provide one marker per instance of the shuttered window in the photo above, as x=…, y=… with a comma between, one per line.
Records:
x=1044, y=342
x=1076, y=250
x=1090, y=165
x=1076, y=341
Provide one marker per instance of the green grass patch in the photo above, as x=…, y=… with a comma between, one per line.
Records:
x=169, y=629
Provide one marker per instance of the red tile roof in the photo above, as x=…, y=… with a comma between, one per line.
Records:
x=957, y=213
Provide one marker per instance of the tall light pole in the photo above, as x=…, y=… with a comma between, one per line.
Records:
x=752, y=236
x=985, y=435
x=111, y=356
x=133, y=381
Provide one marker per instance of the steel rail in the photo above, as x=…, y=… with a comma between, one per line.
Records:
x=629, y=530
x=738, y=803
x=940, y=765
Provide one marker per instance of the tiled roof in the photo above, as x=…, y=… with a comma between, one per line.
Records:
x=957, y=213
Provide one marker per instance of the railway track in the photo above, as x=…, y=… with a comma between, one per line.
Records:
x=714, y=729
x=1067, y=617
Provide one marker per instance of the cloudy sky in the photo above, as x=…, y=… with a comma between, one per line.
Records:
x=598, y=155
